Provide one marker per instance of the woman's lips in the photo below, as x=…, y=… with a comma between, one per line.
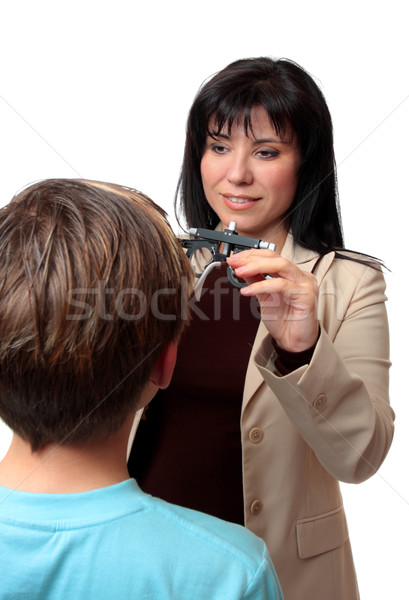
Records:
x=239, y=202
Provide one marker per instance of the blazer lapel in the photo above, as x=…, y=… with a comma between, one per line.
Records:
x=305, y=259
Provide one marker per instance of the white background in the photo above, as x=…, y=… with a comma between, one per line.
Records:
x=101, y=90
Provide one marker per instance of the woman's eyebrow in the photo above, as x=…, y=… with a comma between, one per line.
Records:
x=215, y=134
x=271, y=140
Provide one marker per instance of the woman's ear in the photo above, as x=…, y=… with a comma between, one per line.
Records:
x=163, y=370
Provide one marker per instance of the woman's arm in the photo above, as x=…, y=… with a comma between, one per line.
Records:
x=339, y=401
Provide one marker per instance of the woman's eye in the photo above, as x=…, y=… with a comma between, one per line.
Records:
x=218, y=149
x=267, y=153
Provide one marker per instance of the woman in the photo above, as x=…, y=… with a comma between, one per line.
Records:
x=265, y=417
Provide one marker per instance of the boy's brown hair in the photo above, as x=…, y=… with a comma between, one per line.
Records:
x=93, y=285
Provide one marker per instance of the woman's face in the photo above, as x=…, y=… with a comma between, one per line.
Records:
x=251, y=179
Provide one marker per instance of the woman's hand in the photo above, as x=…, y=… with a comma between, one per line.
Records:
x=288, y=297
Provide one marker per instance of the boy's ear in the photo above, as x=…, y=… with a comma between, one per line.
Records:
x=163, y=369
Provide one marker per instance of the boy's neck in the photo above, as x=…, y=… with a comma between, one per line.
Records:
x=66, y=469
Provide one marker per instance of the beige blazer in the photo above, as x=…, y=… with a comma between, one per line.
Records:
x=326, y=422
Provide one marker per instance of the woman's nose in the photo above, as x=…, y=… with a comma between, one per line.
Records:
x=239, y=170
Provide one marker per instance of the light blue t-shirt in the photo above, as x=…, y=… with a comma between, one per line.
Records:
x=118, y=542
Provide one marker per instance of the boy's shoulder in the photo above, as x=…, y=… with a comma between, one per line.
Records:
x=226, y=537
x=230, y=552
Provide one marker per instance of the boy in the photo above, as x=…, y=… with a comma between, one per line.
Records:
x=93, y=299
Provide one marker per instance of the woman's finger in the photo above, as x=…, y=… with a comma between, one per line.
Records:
x=260, y=264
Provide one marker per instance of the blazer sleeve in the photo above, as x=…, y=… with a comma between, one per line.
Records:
x=339, y=403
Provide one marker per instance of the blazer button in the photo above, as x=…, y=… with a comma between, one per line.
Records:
x=255, y=507
x=256, y=435
x=320, y=401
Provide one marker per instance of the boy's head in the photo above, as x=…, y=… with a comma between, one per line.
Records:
x=93, y=287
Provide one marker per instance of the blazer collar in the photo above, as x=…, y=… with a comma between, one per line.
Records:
x=297, y=254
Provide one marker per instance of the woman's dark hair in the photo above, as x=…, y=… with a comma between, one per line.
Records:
x=293, y=101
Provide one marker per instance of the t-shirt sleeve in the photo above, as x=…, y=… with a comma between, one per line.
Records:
x=265, y=584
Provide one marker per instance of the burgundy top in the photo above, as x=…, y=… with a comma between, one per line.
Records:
x=187, y=449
